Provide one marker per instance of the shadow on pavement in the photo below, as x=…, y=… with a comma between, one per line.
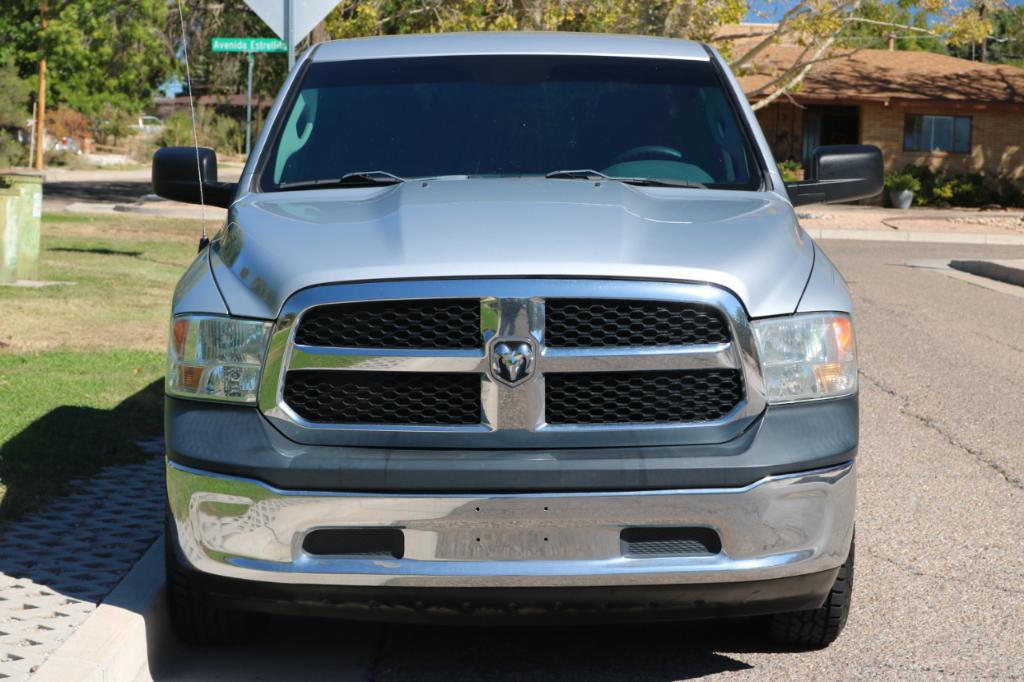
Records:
x=321, y=649
x=103, y=190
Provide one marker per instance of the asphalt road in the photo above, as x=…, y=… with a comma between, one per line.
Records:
x=939, y=588
x=63, y=187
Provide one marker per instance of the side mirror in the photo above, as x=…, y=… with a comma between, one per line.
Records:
x=842, y=172
x=176, y=176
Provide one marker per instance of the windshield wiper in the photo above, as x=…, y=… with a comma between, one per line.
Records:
x=660, y=182
x=357, y=179
x=588, y=174
x=577, y=174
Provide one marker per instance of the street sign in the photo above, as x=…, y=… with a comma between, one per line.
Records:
x=248, y=45
x=292, y=19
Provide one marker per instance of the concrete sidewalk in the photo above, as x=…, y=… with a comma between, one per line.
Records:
x=960, y=221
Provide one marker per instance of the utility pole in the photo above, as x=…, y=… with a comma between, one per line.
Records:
x=41, y=96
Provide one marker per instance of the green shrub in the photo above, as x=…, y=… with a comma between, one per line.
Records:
x=972, y=190
x=899, y=181
x=791, y=171
x=969, y=190
x=114, y=124
x=12, y=152
x=64, y=159
x=222, y=133
x=13, y=114
x=1009, y=194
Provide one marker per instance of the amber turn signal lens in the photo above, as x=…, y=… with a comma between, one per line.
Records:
x=180, y=333
x=843, y=330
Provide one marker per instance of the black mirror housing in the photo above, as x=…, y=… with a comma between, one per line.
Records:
x=176, y=176
x=842, y=172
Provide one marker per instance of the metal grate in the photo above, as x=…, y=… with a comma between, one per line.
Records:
x=384, y=397
x=641, y=397
x=651, y=542
x=445, y=323
x=597, y=323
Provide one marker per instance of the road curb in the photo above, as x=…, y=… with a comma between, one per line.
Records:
x=1001, y=272
x=905, y=236
x=112, y=644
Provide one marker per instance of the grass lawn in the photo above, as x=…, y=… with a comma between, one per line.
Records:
x=81, y=363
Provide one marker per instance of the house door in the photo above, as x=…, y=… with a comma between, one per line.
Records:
x=829, y=125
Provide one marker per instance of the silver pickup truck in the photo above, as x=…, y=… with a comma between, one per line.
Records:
x=512, y=327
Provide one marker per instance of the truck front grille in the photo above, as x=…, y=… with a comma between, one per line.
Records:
x=393, y=324
x=597, y=323
x=419, y=364
x=334, y=397
x=642, y=397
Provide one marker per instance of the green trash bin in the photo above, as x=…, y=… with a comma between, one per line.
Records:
x=10, y=202
x=29, y=187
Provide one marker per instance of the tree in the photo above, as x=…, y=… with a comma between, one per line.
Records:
x=223, y=72
x=880, y=21
x=696, y=19
x=98, y=51
x=13, y=113
x=1007, y=43
x=14, y=104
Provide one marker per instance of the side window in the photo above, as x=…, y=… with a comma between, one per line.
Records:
x=924, y=133
x=297, y=130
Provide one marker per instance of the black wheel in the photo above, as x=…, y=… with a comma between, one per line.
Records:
x=195, y=619
x=818, y=627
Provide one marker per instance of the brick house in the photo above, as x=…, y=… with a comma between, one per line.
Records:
x=921, y=108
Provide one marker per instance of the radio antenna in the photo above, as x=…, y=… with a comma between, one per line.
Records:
x=204, y=240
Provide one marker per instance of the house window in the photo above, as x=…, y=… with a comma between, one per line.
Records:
x=937, y=134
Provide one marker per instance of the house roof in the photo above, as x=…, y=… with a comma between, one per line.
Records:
x=884, y=75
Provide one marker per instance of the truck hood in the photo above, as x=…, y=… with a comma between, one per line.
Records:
x=275, y=244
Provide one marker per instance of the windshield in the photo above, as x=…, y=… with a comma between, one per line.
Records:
x=509, y=115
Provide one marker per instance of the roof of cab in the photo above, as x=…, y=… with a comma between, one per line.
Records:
x=453, y=44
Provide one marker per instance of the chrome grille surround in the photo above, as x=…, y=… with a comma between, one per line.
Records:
x=512, y=416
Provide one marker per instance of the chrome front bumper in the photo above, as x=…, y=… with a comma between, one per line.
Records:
x=777, y=527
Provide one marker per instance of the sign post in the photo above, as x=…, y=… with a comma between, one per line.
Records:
x=250, y=46
x=248, y=107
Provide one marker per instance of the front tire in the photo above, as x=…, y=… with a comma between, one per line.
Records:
x=196, y=619
x=817, y=628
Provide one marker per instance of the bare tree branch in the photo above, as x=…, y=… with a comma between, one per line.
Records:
x=804, y=69
x=874, y=22
x=733, y=36
x=766, y=42
x=793, y=101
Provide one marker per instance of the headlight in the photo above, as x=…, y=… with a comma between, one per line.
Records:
x=217, y=358
x=808, y=356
